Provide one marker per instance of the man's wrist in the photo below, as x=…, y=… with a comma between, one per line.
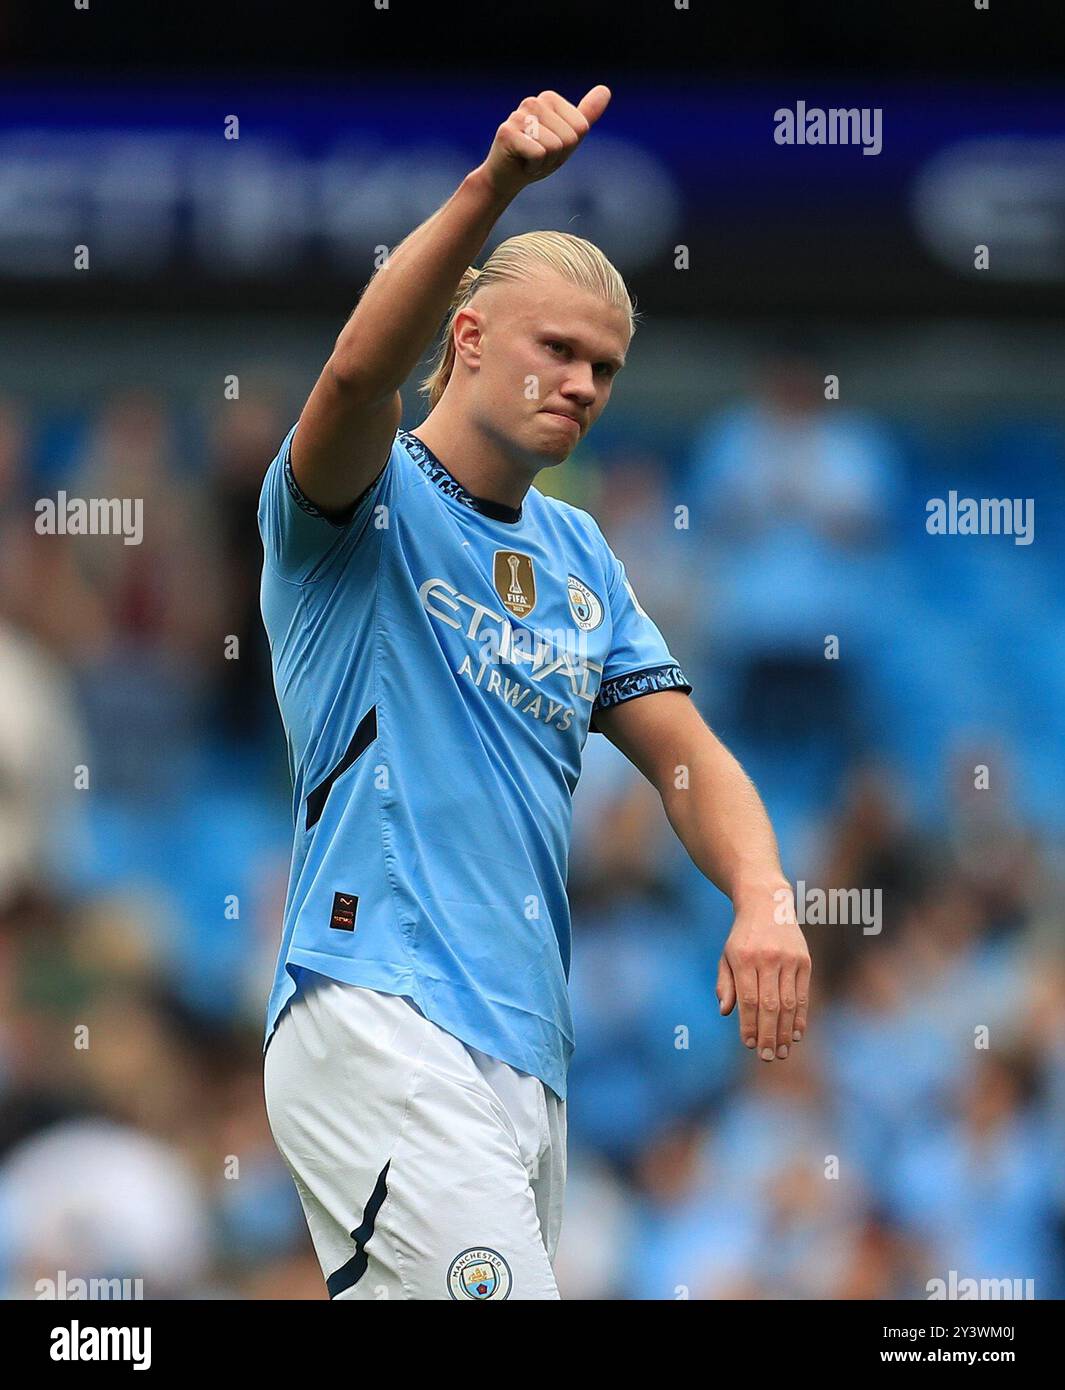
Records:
x=759, y=891
x=480, y=179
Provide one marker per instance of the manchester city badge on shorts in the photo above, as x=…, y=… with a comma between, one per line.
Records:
x=479, y=1273
x=584, y=606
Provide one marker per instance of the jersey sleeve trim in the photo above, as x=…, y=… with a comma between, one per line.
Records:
x=635, y=683
x=338, y=519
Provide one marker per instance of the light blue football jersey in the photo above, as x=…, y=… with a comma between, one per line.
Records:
x=438, y=661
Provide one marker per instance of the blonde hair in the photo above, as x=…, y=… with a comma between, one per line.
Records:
x=519, y=258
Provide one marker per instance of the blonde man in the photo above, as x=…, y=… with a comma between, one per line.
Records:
x=444, y=637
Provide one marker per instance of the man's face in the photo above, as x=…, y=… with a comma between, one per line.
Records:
x=539, y=351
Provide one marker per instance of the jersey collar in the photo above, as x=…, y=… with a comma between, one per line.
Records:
x=431, y=466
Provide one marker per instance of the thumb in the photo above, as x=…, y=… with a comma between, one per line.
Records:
x=726, y=986
x=594, y=103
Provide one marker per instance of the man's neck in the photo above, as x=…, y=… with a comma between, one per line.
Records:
x=476, y=460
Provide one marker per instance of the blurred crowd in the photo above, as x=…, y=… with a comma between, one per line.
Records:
x=863, y=671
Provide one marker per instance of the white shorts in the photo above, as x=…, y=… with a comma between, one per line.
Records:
x=426, y=1169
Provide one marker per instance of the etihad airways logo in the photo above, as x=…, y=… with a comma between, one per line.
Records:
x=562, y=654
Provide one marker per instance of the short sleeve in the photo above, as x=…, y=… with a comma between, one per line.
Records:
x=640, y=662
x=299, y=539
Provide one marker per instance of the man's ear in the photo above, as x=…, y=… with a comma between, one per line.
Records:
x=469, y=334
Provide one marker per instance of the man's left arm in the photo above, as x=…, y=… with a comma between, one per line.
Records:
x=719, y=817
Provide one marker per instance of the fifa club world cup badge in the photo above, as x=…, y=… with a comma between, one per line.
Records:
x=515, y=582
x=478, y=1273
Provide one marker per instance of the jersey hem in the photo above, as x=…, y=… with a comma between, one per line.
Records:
x=403, y=980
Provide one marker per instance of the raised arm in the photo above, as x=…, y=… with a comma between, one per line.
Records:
x=719, y=818
x=346, y=428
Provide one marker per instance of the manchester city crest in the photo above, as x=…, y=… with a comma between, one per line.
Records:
x=584, y=606
x=478, y=1273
